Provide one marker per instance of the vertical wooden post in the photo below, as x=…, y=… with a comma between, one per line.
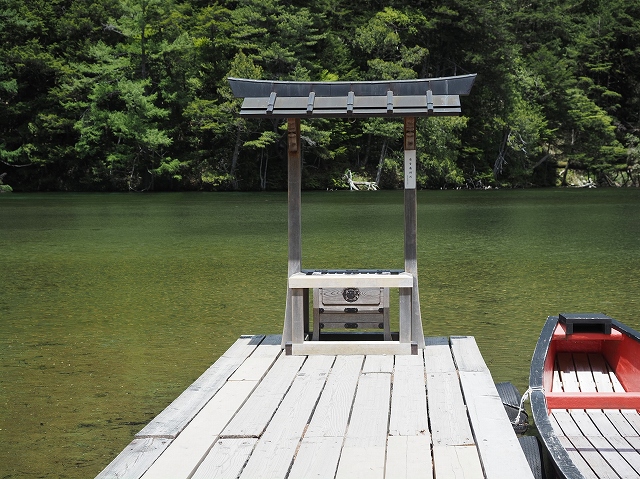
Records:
x=293, y=323
x=295, y=196
x=411, y=226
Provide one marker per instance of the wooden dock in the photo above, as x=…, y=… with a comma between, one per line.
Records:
x=258, y=413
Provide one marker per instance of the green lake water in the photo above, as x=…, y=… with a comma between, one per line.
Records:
x=112, y=304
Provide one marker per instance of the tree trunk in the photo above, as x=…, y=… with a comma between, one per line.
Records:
x=501, y=160
x=383, y=153
x=367, y=150
x=263, y=174
x=234, y=159
x=566, y=170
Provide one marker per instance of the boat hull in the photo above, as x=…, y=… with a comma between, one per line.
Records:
x=618, y=345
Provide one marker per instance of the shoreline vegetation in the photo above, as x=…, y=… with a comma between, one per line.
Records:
x=132, y=95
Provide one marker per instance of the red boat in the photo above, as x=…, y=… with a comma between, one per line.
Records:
x=585, y=396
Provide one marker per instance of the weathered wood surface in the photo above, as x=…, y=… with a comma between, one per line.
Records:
x=260, y=413
x=602, y=443
x=356, y=280
x=136, y=458
x=491, y=427
x=340, y=348
x=177, y=415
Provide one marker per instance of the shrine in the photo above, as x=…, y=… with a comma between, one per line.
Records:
x=351, y=298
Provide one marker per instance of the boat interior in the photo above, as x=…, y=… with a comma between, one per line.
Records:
x=592, y=369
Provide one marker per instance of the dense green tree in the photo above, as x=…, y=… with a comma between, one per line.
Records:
x=390, y=42
x=133, y=94
x=118, y=130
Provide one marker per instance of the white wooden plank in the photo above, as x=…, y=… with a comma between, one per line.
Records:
x=584, y=422
x=621, y=424
x=600, y=373
x=556, y=383
x=602, y=423
x=634, y=442
x=611, y=424
x=274, y=452
x=408, y=457
x=583, y=372
x=615, y=382
x=317, y=458
x=171, y=421
x=252, y=369
x=135, y=459
x=562, y=420
x=226, y=459
x=447, y=411
x=568, y=372
x=335, y=348
x=554, y=423
x=259, y=408
x=628, y=452
x=369, y=419
x=455, y=462
x=632, y=416
x=194, y=442
x=378, y=363
x=466, y=354
x=409, y=398
x=437, y=355
x=577, y=458
x=592, y=457
x=499, y=449
x=613, y=457
x=565, y=420
x=365, y=443
x=360, y=280
x=244, y=346
x=361, y=463
x=332, y=412
x=321, y=445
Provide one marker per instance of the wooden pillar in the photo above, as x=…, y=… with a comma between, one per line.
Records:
x=411, y=226
x=293, y=330
x=295, y=196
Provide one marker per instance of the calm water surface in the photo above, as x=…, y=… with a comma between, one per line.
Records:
x=111, y=305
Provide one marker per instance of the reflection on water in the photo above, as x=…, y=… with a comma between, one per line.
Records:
x=111, y=305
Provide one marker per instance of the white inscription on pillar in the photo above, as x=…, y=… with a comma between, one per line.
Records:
x=410, y=169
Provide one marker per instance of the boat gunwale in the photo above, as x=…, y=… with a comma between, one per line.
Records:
x=560, y=457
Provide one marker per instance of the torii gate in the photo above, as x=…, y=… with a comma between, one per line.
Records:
x=292, y=101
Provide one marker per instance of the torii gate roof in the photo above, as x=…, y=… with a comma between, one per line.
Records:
x=395, y=98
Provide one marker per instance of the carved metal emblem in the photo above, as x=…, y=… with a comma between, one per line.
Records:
x=351, y=295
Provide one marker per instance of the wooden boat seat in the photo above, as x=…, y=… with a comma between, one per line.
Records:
x=597, y=400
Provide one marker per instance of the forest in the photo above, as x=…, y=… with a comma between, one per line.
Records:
x=132, y=95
